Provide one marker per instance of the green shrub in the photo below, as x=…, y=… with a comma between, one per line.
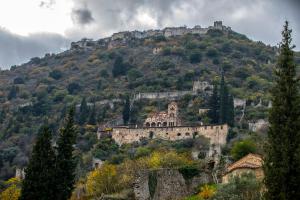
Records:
x=242, y=148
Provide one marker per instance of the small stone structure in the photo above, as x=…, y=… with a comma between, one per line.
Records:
x=202, y=86
x=20, y=173
x=252, y=163
x=239, y=102
x=97, y=163
x=258, y=125
x=169, y=184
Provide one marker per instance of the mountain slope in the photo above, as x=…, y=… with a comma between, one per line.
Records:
x=40, y=90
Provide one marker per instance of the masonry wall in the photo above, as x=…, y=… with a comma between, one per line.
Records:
x=217, y=134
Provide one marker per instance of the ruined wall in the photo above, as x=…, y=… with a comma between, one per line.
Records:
x=169, y=184
x=217, y=135
x=162, y=95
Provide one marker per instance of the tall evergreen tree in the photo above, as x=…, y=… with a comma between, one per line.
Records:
x=223, y=100
x=213, y=104
x=126, y=111
x=282, y=163
x=65, y=161
x=83, y=112
x=230, y=111
x=39, y=182
x=92, y=117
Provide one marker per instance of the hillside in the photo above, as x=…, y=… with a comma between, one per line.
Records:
x=109, y=69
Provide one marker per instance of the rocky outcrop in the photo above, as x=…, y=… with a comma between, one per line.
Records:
x=165, y=184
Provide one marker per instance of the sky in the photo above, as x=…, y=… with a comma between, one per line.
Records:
x=30, y=28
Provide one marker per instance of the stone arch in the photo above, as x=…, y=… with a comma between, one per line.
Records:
x=147, y=124
x=153, y=124
x=159, y=124
x=187, y=134
x=178, y=134
x=172, y=115
x=165, y=124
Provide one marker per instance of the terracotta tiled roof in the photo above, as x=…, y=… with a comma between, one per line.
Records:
x=252, y=161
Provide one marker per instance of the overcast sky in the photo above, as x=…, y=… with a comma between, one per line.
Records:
x=30, y=28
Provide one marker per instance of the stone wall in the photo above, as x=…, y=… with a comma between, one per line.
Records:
x=169, y=184
x=162, y=95
x=217, y=134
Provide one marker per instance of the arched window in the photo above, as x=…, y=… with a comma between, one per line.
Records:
x=165, y=124
x=187, y=134
x=178, y=134
x=153, y=124
x=147, y=124
x=159, y=124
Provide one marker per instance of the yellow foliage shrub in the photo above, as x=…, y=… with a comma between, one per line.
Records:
x=13, y=190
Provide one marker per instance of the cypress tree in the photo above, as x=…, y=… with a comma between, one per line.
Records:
x=39, y=182
x=282, y=163
x=92, y=117
x=223, y=101
x=126, y=111
x=230, y=111
x=213, y=103
x=65, y=161
x=83, y=112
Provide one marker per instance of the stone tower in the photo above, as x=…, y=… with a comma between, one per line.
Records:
x=173, y=114
x=172, y=109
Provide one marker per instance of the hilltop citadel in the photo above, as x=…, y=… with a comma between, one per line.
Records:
x=119, y=39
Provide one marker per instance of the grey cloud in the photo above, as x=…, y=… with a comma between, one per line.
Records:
x=82, y=16
x=47, y=4
x=16, y=49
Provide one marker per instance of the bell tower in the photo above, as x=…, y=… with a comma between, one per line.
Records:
x=173, y=110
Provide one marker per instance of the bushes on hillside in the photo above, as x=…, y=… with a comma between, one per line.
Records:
x=242, y=148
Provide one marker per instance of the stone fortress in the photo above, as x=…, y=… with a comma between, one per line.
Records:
x=167, y=126
x=121, y=38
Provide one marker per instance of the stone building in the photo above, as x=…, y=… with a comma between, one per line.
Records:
x=251, y=163
x=164, y=119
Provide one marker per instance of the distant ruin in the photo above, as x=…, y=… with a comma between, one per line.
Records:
x=121, y=38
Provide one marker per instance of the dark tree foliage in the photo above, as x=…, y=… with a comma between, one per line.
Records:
x=282, y=163
x=65, y=161
x=83, y=112
x=92, y=117
x=230, y=111
x=126, y=111
x=12, y=92
x=213, y=113
x=56, y=74
x=195, y=57
x=39, y=182
x=223, y=101
x=119, y=68
x=73, y=88
x=19, y=80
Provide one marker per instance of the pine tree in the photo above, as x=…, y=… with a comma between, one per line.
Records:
x=213, y=103
x=83, y=112
x=282, y=163
x=39, y=182
x=230, y=111
x=223, y=101
x=65, y=161
x=126, y=111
